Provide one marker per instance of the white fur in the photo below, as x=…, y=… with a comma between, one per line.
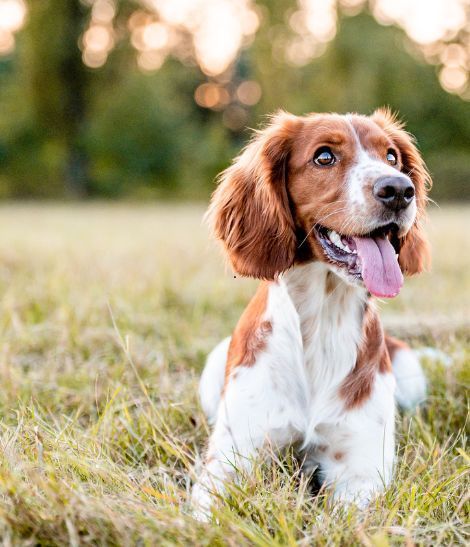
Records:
x=369, y=168
x=291, y=394
x=411, y=382
x=433, y=354
x=212, y=379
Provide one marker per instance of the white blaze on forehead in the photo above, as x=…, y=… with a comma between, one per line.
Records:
x=365, y=169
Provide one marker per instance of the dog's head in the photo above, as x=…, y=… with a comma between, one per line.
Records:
x=346, y=190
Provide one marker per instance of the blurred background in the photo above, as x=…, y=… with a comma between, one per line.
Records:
x=151, y=98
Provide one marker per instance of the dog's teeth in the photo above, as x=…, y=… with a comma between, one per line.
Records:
x=336, y=240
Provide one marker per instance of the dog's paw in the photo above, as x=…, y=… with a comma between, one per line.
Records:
x=357, y=492
x=201, y=503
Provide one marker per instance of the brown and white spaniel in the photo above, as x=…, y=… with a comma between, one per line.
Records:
x=327, y=211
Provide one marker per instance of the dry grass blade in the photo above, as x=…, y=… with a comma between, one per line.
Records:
x=106, y=316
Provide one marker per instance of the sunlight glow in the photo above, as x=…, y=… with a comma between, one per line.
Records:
x=218, y=38
x=12, y=14
x=212, y=33
x=139, y=19
x=454, y=55
x=222, y=96
x=320, y=18
x=248, y=92
x=211, y=95
x=352, y=7
x=425, y=21
x=219, y=28
x=176, y=12
x=151, y=60
x=7, y=42
x=453, y=79
x=155, y=36
x=94, y=59
x=430, y=24
x=12, y=18
x=98, y=40
x=103, y=11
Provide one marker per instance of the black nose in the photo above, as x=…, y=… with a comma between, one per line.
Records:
x=394, y=192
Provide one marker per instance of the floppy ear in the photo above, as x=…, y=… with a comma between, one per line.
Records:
x=250, y=210
x=415, y=254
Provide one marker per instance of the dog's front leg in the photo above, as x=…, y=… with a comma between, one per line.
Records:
x=357, y=455
x=253, y=416
x=227, y=455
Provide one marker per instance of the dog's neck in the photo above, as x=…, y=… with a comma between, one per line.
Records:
x=331, y=314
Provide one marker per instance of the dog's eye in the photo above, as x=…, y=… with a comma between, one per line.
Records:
x=324, y=157
x=392, y=157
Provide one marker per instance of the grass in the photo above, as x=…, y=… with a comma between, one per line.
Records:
x=107, y=313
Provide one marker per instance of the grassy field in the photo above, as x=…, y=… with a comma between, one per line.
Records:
x=107, y=313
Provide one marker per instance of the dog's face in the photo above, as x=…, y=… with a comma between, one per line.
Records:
x=347, y=190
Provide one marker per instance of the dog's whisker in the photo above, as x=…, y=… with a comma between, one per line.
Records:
x=318, y=224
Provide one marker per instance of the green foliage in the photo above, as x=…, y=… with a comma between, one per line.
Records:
x=118, y=132
x=162, y=143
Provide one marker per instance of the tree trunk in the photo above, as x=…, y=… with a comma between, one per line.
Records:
x=59, y=83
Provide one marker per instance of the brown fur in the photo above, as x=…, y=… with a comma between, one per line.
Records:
x=250, y=209
x=393, y=345
x=251, y=332
x=372, y=357
x=270, y=198
x=331, y=282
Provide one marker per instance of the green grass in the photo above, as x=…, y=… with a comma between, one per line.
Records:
x=107, y=313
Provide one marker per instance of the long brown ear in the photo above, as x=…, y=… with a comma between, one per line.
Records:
x=250, y=211
x=415, y=254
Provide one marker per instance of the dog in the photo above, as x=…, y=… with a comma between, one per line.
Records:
x=327, y=211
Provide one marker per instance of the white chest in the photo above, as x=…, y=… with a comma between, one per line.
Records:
x=330, y=317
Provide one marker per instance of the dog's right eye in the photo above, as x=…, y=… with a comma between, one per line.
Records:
x=324, y=157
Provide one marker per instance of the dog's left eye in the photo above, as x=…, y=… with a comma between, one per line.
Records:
x=324, y=157
x=392, y=157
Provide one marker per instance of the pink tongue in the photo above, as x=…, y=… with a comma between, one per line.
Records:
x=380, y=270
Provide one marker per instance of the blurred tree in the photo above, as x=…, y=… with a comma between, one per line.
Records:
x=58, y=82
x=135, y=126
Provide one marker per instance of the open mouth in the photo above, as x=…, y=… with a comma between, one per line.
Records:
x=371, y=258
